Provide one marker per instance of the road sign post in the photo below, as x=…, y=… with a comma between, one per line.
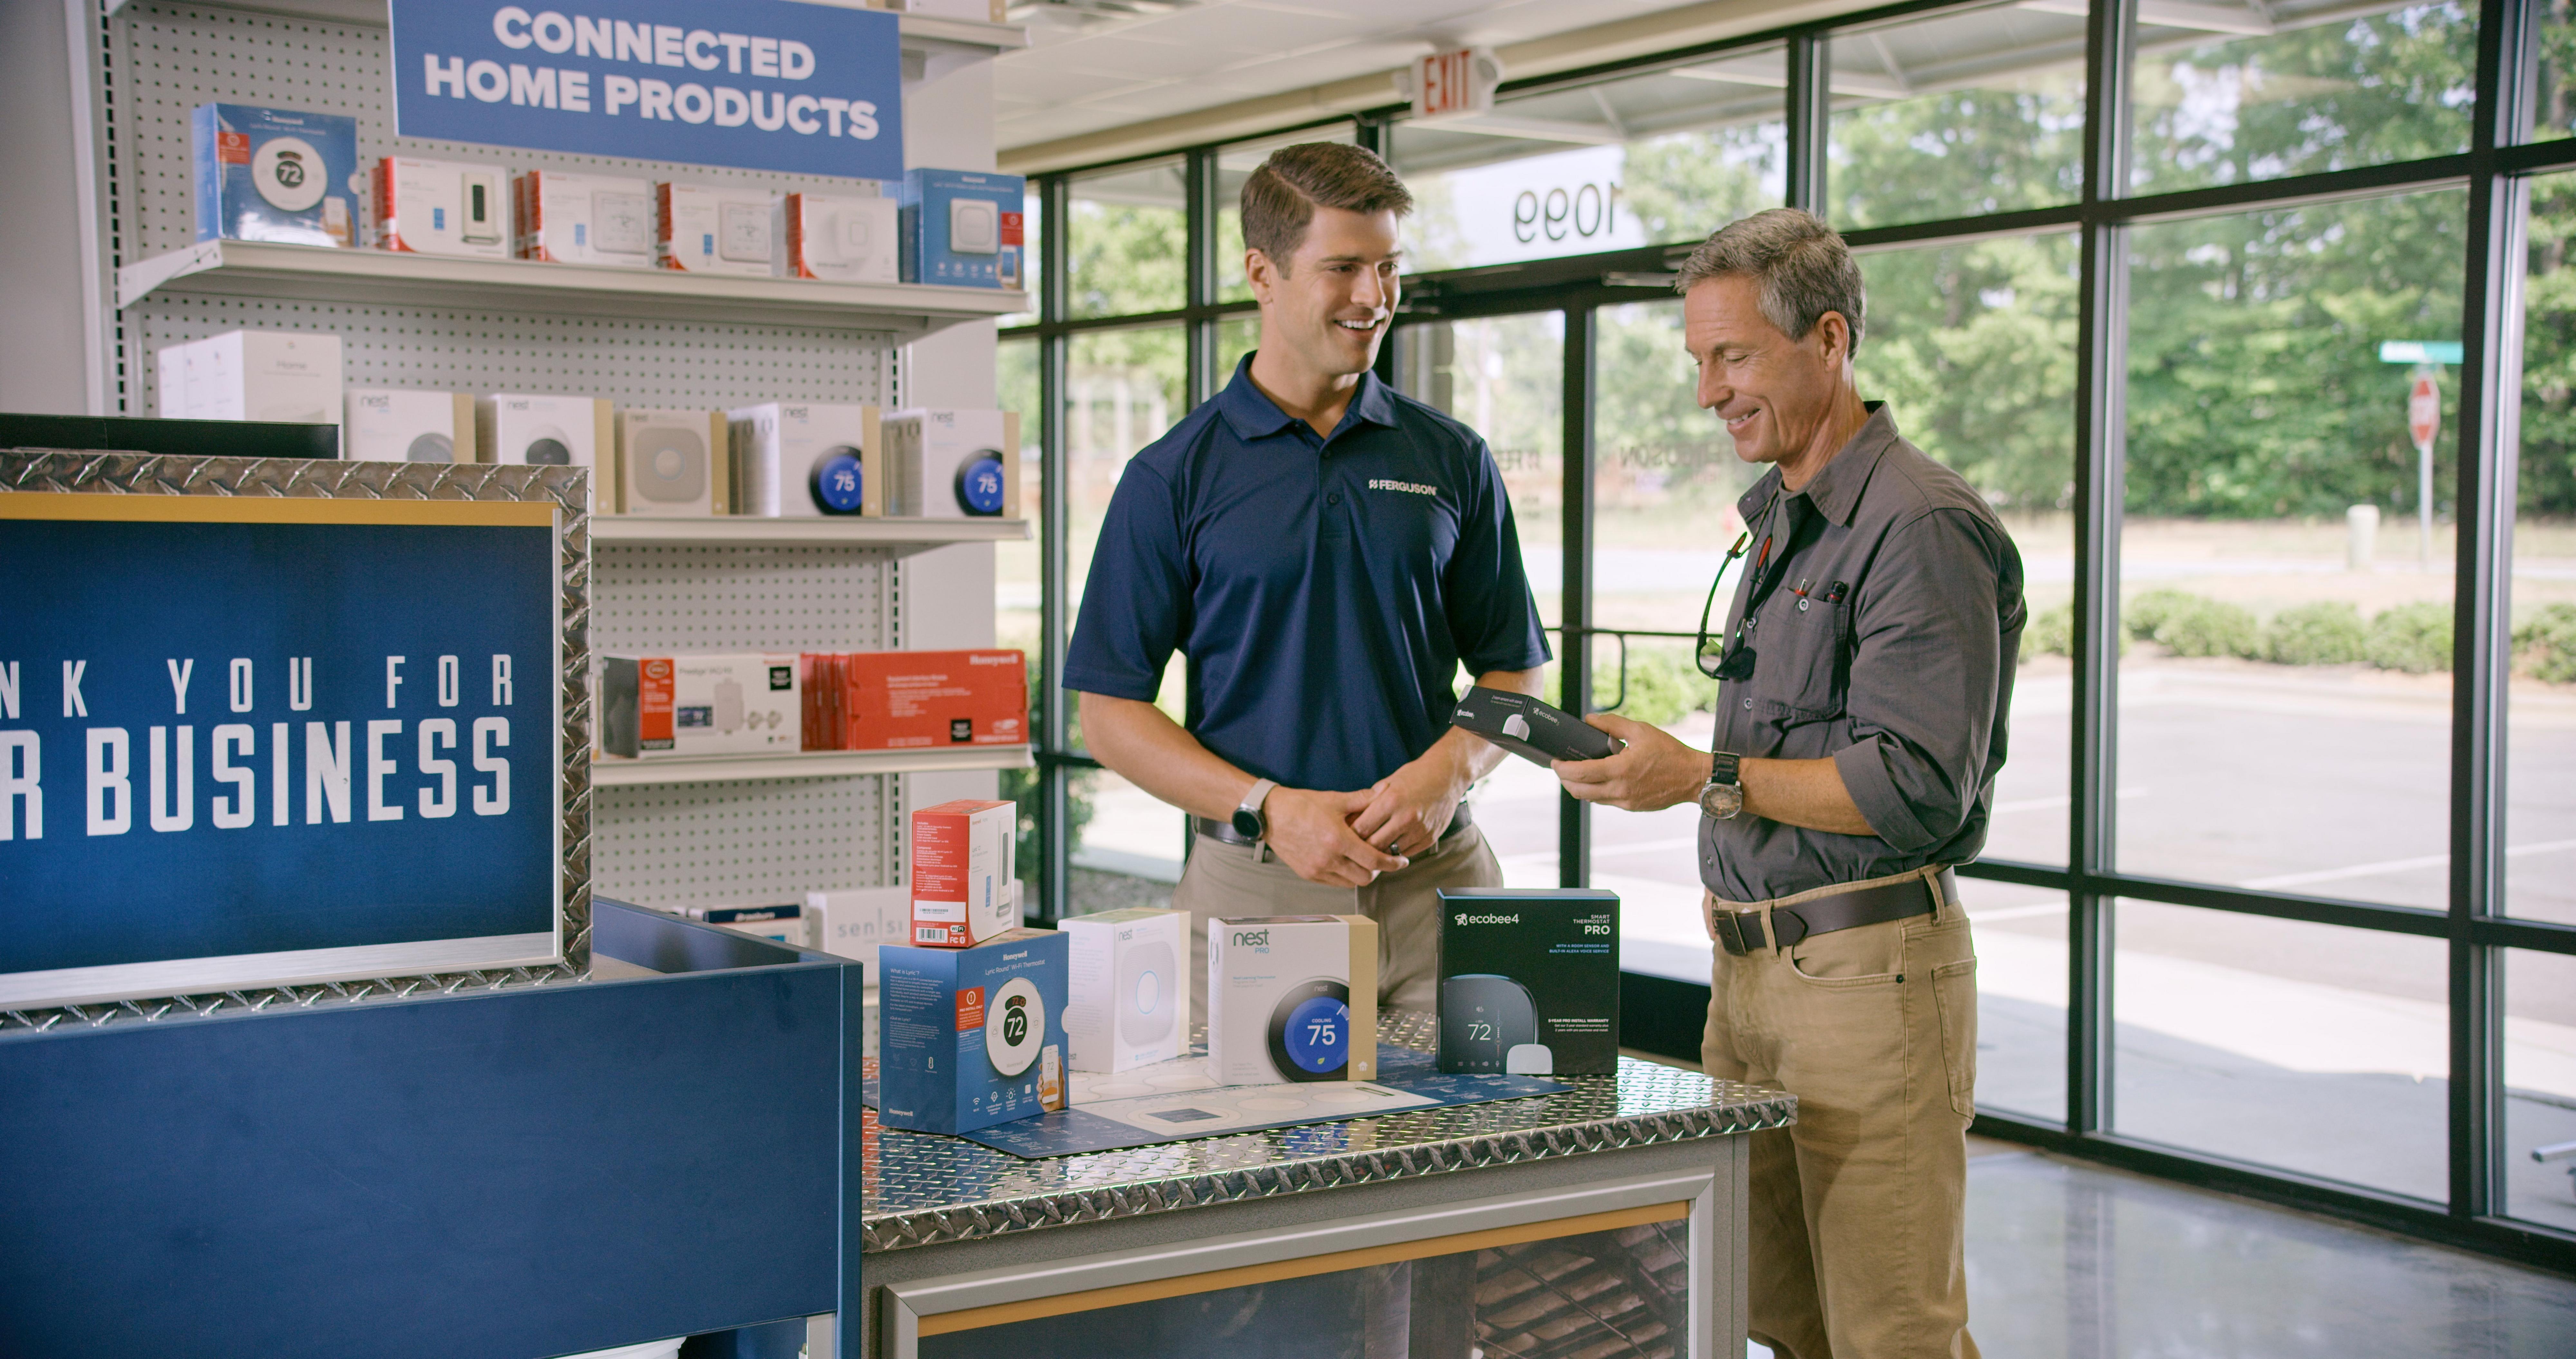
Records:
x=2424, y=420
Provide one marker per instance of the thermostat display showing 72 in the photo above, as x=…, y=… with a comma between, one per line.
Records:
x=1589, y=210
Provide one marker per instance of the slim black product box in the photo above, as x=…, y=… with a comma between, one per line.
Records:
x=1529, y=980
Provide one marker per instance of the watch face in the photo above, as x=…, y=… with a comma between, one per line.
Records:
x=1248, y=823
x=1722, y=800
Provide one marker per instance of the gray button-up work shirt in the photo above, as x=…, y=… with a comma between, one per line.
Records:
x=1885, y=639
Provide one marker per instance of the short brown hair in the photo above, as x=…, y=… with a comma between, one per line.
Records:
x=1800, y=266
x=1281, y=197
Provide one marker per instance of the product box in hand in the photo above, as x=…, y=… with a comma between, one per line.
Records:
x=838, y=238
x=963, y=229
x=703, y=229
x=804, y=460
x=673, y=462
x=552, y=431
x=583, y=219
x=953, y=464
x=913, y=700
x=965, y=878
x=1130, y=992
x=388, y=426
x=1529, y=981
x=700, y=705
x=255, y=375
x=277, y=175
x=442, y=207
x=1292, y=998
x=971, y=1037
x=856, y=922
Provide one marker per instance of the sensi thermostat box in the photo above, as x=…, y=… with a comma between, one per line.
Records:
x=1529, y=981
x=750, y=704
x=965, y=880
x=971, y=1037
x=1292, y=998
x=1131, y=992
x=910, y=700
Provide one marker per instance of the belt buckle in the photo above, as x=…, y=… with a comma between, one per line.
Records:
x=1740, y=933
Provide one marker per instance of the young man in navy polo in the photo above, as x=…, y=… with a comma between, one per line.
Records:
x=1327, y=553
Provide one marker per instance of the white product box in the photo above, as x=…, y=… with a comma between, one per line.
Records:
x=965, y=885
x=551, y=431
x=170, y=365
x=855, y=923
x=442, y=207
x=951, y=464
x=980, y=11
x=804, y=460
x=784, y=923
x=750, y=704
x=701, y=229
x=583, y=219
x=672, y=463
x=838, y=237
x=1292, y=998
x=1131, y=990
x=386, y=426
x=257, y=375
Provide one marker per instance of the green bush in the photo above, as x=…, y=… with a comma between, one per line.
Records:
x=2209, y=627
x=2149, y=610
x=1662, y=686
x=2415, y=638
x=2546, y=646
x=2050, y=633
x=2323, y=633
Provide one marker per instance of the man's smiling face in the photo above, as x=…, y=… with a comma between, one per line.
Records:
x=1330, y=308
x=1774, y=393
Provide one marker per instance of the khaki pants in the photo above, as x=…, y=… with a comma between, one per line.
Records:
x=1225, y=880
x=1857, y=1208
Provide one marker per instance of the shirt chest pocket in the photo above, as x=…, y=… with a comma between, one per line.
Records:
x=1802, y=658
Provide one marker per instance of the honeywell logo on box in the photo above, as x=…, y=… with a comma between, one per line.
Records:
x=996, y=658
x=1465, y=919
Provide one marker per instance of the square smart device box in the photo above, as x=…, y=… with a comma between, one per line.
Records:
x=1131, y=994
x=1529, y=980
x=971, y=1037
x=1292, y=998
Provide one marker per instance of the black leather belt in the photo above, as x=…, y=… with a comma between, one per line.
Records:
x=1740, y=932
x=1224, y=832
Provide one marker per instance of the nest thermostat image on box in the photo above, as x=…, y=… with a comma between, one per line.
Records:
x=1531, y=728
x=952, y=464
x=804, y=460
x=1529, y=981
x=1292, y=998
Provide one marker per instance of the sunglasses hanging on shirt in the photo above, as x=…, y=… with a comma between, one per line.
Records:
x=1733, y=659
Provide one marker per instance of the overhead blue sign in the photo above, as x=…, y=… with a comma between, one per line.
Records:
x=755, y=84
x=246, y=742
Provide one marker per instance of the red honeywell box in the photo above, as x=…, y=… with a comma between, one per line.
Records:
x=907, y=700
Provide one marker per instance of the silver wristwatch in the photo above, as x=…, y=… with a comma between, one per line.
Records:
x=1248, y=820
x=1723, y=795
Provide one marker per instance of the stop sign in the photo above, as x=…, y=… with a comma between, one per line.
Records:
x=2424, y=412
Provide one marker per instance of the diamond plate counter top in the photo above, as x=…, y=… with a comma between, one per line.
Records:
x=921, y=1189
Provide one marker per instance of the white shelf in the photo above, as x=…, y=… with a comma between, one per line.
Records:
x=920, y=31
x=905, y=535
x=320, y=273
x=608, y=771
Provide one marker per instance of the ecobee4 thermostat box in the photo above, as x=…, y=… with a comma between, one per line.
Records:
x=965, y=881
x=1529, y=980
x=700, y=705
x=1292, y=998
x=274, y=175
x=840, y=238
x=953, y=464
x=583, y=219
x=971, y=1037
x=387, y=426
x=702, y=229
x=1131, y=992
x=552, y=431
x=805, y=460
x=963, y=229
x=442, y=207
x=673, y=462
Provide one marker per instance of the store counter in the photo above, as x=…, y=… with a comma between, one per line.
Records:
x=1543, y=1226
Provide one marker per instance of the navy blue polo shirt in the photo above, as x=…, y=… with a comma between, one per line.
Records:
x=1325, y=590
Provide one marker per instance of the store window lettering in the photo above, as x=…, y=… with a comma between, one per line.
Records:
x=1586, y=211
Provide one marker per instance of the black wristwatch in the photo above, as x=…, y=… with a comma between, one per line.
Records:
x=1248, y=820
x=1723, y=795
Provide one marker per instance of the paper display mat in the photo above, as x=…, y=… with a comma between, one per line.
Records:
x=1177, y=1101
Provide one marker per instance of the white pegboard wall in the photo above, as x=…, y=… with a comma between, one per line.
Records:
x=699, y=600
x=765, y=841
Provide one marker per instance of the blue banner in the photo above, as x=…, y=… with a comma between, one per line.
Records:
x=226, y=738
x=756, y=84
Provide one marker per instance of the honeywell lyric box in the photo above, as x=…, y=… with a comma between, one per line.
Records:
x=1130, y=988
x=442, y=207
x=965, y=881
x=953, y=464
x=673, y=462
x=907, y=700
x=971, y=1037
x=279, y=175
x=1292, y=998
x=839, y=238
x=387, y=426
x=279, y=376
x=804, y=460
x=583, y=219
x=552, y=431
x=700, y=705
x=1529, y=980
x=963, y=229
x=703, y=229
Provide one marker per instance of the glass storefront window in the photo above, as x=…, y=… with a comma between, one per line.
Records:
x=2292, y=87
x=1235, y=164
x=2540, y=705
x=1129, y=238
x=1015, y=561
x=2285, y=700
x=1670, y=155
x=1032, y=260
x=2540, y=1087
x=1954, y=116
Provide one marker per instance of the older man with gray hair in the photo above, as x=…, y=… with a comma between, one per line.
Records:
x=1866, y=679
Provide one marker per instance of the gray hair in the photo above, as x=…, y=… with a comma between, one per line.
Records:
x=1802, y=266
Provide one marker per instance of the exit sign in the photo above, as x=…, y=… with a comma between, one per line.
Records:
x=1447, y=84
